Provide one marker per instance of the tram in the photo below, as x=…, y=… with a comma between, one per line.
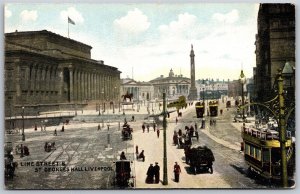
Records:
x=213, y=108
x=200, y=108
x=178, y=104
x=261, y=149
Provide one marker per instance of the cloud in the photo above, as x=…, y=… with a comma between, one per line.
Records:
x=134, y=22
x=229, y=18
x=184, y=26
x=28, y=15
x=7, y=12
x=71, y=12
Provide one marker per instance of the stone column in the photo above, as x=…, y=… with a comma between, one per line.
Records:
x=93, y=86
x=71, y=85
x=60, y=83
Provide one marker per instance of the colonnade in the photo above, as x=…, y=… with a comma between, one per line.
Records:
x=37, y=83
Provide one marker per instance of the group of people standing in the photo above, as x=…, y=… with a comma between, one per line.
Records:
x=148, y=128
x=153, y=174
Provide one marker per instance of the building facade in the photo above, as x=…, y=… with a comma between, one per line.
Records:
x=141, y=91
x=275, y=45
x=211, y=89
x=173, y=85
x=44, y=69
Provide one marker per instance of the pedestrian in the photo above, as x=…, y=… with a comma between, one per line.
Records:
x=148, y=127
x=35, y=127
x=177, y=171
x=150, y=174
x=157, y=132
x=122, y=156
x=143, y=127
x=137, y=150
x=221, y=111
x=154, y=126
x=176, y=120
x=156, y=169
x=63, y=128
x=179, y=132
x=55, y=132
x=99, y=127
x=141, y=155
x=132, y=118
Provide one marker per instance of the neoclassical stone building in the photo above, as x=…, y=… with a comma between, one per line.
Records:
x=173, y=85
x=44, y=70
x=141, y=90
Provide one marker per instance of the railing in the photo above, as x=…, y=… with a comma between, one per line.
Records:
x=267, y=134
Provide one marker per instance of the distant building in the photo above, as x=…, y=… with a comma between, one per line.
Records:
x=210, y=89
x=45, y=71
x=173, y=85
x=142, y=91
x=275, y=45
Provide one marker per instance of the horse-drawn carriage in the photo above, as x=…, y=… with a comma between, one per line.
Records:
x=20, y=147
x=199, y=158
x=126, y=132
x=123, y=174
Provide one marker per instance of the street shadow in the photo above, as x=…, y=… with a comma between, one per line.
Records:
x=239, y=169
x=199, y=171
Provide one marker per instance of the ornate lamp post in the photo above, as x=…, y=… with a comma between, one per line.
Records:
x=243, y=81
x=165, y=167
x=23, y=126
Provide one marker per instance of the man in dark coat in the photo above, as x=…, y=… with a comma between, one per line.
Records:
x=122, y=156
x=177, y=171
x=150, y=174
x=143, y=127
x=156, y=169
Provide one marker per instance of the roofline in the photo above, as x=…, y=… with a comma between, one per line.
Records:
x=17, y=33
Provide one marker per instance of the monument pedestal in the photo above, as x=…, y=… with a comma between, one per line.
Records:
x=193, y=94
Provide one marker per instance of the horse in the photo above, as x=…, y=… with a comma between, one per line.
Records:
x=127, y=95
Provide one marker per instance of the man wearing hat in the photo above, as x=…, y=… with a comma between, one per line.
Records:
x=156, y=169
x=177, y=171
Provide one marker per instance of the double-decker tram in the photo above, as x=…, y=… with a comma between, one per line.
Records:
x=200, y=108
x=213, y=108
x=262, y=153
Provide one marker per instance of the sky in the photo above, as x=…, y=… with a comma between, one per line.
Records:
x=145, y=41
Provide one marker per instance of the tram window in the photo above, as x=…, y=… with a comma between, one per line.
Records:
x=258, y=154
x=266, y=155
x=252, y=151
x=247, y=149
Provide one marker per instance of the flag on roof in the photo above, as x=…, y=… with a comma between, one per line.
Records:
x=71, y=21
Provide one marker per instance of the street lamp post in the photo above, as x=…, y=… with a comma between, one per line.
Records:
x=243, y=81
x=165, y=167
x=23, y=126
x=282, y=132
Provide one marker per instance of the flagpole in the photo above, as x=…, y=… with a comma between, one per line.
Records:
x=68, y=28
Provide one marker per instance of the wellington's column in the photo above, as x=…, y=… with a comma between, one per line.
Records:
x=193, y=89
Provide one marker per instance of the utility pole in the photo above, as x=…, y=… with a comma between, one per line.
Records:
x=165, y=167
